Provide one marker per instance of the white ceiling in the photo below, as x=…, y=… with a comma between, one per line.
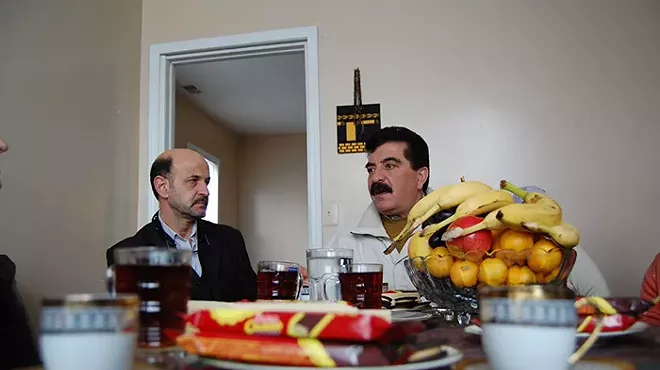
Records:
x=258, y=95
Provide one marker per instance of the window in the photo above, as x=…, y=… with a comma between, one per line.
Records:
x=212, y=209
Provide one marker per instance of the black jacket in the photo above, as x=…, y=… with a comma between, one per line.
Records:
x=227, y=274
x=17, y=345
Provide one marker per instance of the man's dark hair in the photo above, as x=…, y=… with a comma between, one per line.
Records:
x=160, y=167
x=417, y=151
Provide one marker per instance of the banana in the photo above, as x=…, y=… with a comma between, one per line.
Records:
x=490, y=222
x=514, y=215
x=479, y=204
x=446, y=197
x=563, y=234
x=530, y=197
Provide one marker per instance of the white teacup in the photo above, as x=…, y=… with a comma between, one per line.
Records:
x=89, y=331
x=532, y=326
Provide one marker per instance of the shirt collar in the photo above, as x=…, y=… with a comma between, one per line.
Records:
x=168, y=230
x=371, y=223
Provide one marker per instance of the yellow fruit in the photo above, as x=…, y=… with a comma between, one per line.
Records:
x=418, y=247
x=552, y=276
x=516, y=241
x=540, y=278
x=493, y=272
x=544, y=257
x=497, y=233
x=463, y=274
x=520, y=276
x=439, y=262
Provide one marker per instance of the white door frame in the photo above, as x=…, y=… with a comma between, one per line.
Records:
x=158, y=135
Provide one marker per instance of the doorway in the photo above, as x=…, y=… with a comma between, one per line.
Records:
x=159, y=132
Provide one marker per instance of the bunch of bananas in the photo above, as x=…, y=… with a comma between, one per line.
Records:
x=538, y=214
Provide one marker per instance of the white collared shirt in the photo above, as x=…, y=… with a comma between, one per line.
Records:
x=183, y=243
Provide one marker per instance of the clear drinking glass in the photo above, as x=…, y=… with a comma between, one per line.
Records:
x=278, y=280
x=89, y=331
x=323, y=267
x=160, y=276
x=362, y=284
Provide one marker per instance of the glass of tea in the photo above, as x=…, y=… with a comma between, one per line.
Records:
x=278, y=280
x=362, y=284
x=161, y=278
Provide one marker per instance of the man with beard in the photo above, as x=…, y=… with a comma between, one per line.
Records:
x=398, y=176
x=221, y=269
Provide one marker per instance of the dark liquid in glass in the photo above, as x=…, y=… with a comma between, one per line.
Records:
x=362, y=289
x=277, y=285
x=164, y=293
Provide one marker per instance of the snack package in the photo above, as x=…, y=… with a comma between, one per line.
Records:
x=357, y=327
x=403, y=344
x=611, y=323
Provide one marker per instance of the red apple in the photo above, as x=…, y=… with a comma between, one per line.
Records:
x=479, y=241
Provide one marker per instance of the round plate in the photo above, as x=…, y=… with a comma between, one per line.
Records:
x=409, y=315
x=453, y=356
x=637, y=327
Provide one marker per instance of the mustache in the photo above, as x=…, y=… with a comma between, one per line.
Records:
x=202, y=200
x=379, y=188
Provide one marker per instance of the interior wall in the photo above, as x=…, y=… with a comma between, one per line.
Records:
x=69, y=105
x=192, y=125
x=562, y=94
x=273, y=196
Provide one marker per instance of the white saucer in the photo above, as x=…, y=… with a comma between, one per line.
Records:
x=453, y=356
x=409, y=315
x=637, y=327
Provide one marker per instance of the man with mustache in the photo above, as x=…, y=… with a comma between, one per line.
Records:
x=398, y=176
x=221, y=268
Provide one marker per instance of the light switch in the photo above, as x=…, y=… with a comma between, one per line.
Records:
x=330, y=214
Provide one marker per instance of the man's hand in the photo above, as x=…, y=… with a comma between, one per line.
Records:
x=303, y=272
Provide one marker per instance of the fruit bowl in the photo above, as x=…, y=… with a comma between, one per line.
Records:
x=461, y=299
x=473, y=235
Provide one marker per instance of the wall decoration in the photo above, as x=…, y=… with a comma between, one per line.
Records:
x=355, y=123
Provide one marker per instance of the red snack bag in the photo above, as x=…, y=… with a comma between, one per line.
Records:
x=313, y=352
x=327, y=326
x=611, y=323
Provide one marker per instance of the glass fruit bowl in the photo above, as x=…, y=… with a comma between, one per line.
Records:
x=449, y=277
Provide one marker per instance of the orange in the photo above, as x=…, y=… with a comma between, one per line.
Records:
x=439, y=262
x=496, y=234
x=520, y=276
x=540, y=278
x=464, y=274
x=544, y=257
x=516, y=241
x=493, y=272
x=553, y=275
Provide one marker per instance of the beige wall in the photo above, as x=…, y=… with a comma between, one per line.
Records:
x=561, y=94
x=194, y=126
x=273, y=196
x=69, y=109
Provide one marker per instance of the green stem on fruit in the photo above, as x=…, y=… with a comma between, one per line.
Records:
x=514, y=189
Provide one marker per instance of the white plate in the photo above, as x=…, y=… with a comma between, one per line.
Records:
x=409, y=315
x=637, y=327
x=453, y=356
